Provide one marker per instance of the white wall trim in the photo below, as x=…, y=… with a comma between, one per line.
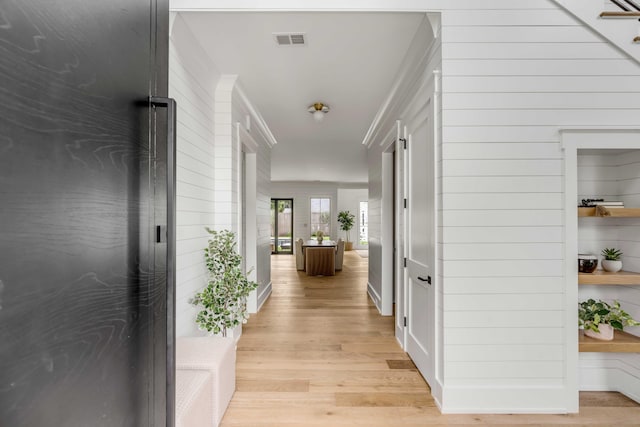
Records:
x=229, y=85
x=387, y=243
x=309, y=6
x=388, y=142
x=251, y=232
x=264, y=295
x=375, y=297
x=249, y=143
x=261, y=125
x=400, y=226
x=226, y=84
x=592, y=138
x=435, y=18
x=503, y=400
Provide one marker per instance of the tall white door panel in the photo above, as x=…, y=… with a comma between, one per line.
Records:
x=420, y=239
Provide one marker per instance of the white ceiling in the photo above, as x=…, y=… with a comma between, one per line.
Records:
x=349, y=63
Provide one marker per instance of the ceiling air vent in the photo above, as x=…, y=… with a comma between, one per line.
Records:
x=290, y=39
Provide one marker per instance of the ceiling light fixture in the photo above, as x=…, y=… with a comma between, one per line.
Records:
x=318, y=110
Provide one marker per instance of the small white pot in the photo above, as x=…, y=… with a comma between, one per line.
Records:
x=605, y=334
x=611, y=266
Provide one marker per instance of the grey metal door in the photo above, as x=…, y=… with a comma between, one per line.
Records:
x=85, y=269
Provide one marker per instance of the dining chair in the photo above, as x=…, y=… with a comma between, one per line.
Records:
x=299, y=255
x=339, y=254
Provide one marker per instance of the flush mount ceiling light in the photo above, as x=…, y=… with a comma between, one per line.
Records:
x=318, y=110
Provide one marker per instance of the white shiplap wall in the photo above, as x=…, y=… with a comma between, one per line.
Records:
x=192, y=80
x=226, y=156
x=511, y=79
x=614, y=176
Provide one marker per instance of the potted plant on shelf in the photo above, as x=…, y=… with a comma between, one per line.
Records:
x=611, y=261
x=223, y=302
x=346, y=220
x=599, y=319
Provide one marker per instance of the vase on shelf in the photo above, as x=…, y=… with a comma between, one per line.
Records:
x=587, y=263
x=605, y=334
x=611, y=266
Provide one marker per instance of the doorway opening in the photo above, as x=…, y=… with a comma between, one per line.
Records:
x=282, y=226
x=363, y=227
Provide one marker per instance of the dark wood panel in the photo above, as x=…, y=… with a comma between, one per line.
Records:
x=78, y=285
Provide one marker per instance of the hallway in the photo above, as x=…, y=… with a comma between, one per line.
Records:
x=319, y=354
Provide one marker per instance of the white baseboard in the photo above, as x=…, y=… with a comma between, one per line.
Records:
x=503, y=400
x=264, y=295
x=436, y=393
x=398, y=333
x=375, y=297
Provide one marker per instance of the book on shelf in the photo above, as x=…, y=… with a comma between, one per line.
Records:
x=611, y=204
x=608, y=203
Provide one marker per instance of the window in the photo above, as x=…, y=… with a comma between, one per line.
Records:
x=320, y=216
x=364, y=224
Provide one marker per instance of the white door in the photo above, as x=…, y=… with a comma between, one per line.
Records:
x=420, y=239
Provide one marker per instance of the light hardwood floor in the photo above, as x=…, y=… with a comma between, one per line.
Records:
x=319, y=354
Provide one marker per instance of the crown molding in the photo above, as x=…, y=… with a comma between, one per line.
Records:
x=229, y=87
x=256, y=117
x=414, y=65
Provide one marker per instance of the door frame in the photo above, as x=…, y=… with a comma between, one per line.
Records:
x=247, y=213
x=392, y=231
x=275, y=250
x=386, y=296
x=400, y=233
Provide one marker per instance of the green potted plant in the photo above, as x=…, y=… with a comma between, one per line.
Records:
x=599, y=319
x=611, y=261
x=346, y=220
x=223, y=302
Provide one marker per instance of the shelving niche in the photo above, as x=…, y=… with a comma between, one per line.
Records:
x=604, y=163
x=623, y=342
